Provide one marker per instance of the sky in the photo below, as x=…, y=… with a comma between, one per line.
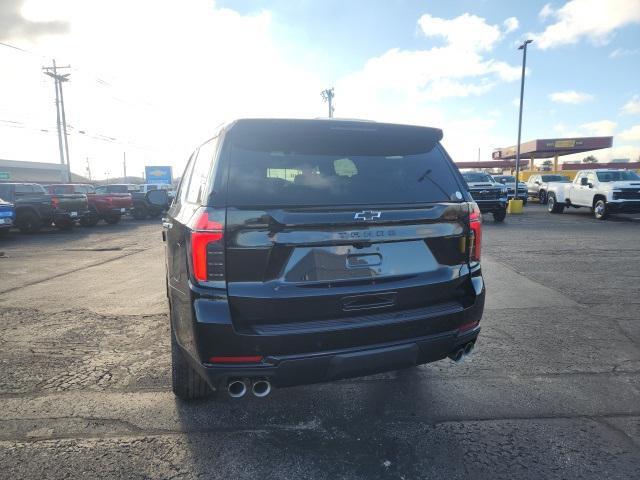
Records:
x=151, y=79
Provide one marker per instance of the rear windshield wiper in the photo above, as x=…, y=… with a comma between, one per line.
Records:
x=426, y=176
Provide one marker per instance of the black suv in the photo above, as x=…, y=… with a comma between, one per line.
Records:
x=302, y=251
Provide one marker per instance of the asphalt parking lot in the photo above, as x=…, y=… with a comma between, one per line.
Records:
x=552, y=390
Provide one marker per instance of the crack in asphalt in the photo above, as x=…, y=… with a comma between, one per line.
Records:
x=75, y=270
x=133, y=430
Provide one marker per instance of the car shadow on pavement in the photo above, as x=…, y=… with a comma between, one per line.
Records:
x=312, y=425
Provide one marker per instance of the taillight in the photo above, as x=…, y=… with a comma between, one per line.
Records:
x=207, y=247
x=475, y=226
x=55, y=202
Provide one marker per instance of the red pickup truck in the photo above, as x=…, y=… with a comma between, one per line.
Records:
x=108, y=207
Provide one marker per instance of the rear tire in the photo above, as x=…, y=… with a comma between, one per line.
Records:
x=600, y=210
x=91, y=219
x=186, y=383
x=112, y=219
x=28, y=222
x=552, y=205
x=542, y=197
x=499, y=216
x=140, y=212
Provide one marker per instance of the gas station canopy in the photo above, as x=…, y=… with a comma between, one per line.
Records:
x=552, y=147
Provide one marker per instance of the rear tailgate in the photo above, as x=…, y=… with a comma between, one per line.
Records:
x=121, y=200
x=305, y=265
x=69, y=203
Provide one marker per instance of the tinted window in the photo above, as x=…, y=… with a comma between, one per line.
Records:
x=83, y=189
x=477, y=177
x=287, y=178
x=202, y=168
x=57, y=189
x=616, y=176
x=554, y=178
x=101, y=190
x=24, y=189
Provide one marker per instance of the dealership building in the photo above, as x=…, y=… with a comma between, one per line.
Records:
x=38, y=172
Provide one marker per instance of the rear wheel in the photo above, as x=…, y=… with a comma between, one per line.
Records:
x=500, y=215
x=600, y=209
x=29, y=222
x=186, y=383
x=553, y=206
x=542, y=196
x=112, y=219
x=140, y=212
x=91, y=219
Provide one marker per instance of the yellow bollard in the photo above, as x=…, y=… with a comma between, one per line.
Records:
x=515, y=207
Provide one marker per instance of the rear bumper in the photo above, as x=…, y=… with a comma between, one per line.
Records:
x=291, y=370
x=490, y=206
x=59, y=216
x=326, y=351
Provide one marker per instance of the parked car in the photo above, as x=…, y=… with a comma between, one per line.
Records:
x=303, y=251
x=490, y=195
x=141, y=207
x=109, y=207
x=36, y=208
x=147, y=187
x=604, y=191
x=510, y=182
x=7, y=216
x=538, y=185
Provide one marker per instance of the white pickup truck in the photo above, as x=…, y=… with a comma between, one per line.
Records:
x=604, y=191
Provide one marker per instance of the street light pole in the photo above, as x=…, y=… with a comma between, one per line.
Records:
x=522, y=47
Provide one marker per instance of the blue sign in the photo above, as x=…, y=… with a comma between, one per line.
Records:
x=158, y=175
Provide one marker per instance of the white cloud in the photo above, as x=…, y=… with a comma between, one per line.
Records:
x=624, y=52
x=468, y=32
x=546, y=12
x=632, y=107
x=631, y=134
x=570, y=96
x=595, y=20
x=602, y=128
x=511, y=24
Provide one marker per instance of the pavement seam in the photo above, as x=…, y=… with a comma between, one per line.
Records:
x=75, y=270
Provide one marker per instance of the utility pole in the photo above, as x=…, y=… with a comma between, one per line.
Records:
x=478, y=154
x=522, y=47
x=124, y=166
x=88, y=169
x=60, y=116
x=327, y=96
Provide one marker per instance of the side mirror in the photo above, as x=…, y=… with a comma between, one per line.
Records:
x=158, y=198
x=584, y=182
x=537, y=182
x=590, y=185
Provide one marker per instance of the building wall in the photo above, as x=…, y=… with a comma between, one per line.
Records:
x=37, y=175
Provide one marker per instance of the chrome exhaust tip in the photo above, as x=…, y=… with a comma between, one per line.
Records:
x=236, y=388
x=468, y=348
x=457, y=356
x=261, y=388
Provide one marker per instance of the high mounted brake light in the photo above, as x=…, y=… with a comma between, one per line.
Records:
x=475, y=227
x=207, y=248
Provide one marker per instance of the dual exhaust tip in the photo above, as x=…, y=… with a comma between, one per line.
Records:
x=238, y=387
x=459, y=354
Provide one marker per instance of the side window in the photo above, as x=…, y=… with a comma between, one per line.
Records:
x=181, y=194
x=202, y=168
x=23, y=189
x=591, y=177
x=101, y=190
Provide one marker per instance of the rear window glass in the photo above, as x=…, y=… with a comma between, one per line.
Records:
x=279, y=175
